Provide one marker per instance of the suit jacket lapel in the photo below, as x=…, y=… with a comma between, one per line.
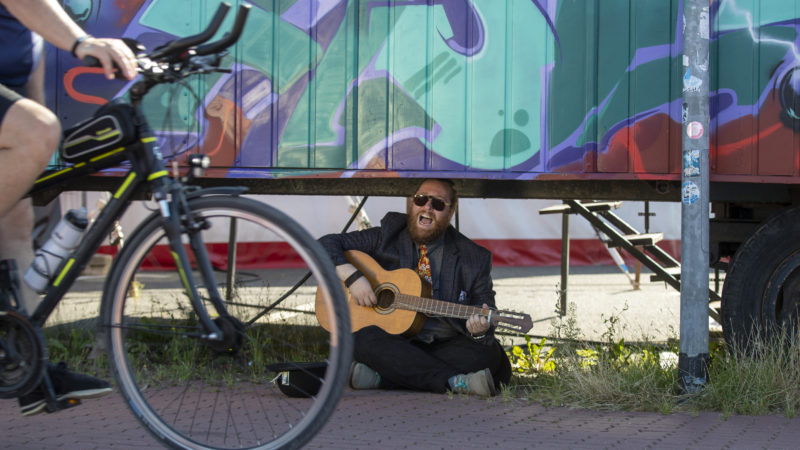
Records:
x=447, y=276
x=407, y=251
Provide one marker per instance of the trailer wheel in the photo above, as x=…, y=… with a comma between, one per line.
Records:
x=761, y=295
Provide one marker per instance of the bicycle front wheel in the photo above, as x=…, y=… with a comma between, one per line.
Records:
x=275, y=378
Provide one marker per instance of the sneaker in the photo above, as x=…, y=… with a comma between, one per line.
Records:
x=67, y=385
x=476, y=383
x=362, y=377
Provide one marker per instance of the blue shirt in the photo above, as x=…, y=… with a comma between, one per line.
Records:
x=20, y=50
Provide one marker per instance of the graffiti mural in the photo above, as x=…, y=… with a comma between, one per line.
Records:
x=517, y=89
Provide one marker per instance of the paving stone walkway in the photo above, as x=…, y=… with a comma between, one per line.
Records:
x=401, y=420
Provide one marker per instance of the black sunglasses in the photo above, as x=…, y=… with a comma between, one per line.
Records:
x=422, y=200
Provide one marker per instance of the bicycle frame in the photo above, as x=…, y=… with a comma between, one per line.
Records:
x=147, y=171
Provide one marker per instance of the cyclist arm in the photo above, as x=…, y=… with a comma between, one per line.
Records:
x=48, y=18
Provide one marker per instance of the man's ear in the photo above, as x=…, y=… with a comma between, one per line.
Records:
x=452, y=213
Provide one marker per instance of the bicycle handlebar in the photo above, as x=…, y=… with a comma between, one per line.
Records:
x=229, y=38
x=184, y=49
x=180, y=46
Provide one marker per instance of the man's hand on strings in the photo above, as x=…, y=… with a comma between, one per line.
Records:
x=360, y=290
x=362, y=294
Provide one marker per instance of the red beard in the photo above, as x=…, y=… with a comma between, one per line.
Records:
x=421, y=236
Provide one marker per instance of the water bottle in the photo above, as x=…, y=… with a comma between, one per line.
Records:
x=66, y=236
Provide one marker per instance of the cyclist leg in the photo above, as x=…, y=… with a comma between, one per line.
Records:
x=16, y=226
x=29, y=133
x=16, y=244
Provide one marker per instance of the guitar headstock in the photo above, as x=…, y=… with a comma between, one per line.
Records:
x=512, y=321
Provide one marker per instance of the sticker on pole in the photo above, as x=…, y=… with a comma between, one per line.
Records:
x=703, y=29
x=694, y=130
x=690, y=82
x=690, y=193
x=691, y=163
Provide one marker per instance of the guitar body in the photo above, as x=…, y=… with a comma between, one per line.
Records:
x=386, y=284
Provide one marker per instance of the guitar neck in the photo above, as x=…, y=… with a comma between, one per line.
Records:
x=433, y=307
x=508, y=320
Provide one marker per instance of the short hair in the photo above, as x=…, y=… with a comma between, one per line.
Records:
x=448, y=182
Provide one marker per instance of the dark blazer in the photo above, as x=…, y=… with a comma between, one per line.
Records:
x=466, y=266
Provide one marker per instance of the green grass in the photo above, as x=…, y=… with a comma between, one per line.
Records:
x=613, y=375
x=560, y=370
x=76, y=346
x=165, y=356
x=763, y=380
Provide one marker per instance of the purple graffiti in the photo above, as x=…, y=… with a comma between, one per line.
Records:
x=469, y=33
x=306, y=14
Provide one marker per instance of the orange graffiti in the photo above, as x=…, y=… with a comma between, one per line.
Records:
x=69, y=79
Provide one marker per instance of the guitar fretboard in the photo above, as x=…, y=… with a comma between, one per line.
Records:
x=504, y=319
x=433, y=307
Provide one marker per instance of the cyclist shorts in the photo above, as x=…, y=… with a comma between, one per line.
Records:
x=7, y=98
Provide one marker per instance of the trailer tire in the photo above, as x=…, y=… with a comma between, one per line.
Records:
x=761, y=295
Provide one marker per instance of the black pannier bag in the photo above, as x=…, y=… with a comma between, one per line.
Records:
x=111, y=127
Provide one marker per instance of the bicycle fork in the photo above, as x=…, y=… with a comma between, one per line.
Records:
x=178, y=219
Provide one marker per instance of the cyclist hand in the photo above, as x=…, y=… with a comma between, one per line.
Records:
x=362, y=294
x=112, y=54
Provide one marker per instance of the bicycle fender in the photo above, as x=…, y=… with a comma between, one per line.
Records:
x=220, y=190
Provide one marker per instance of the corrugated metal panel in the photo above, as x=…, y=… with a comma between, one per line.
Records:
x=506, y=89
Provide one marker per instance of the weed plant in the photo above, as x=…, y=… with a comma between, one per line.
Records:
x=614, y=375
x=761, y=379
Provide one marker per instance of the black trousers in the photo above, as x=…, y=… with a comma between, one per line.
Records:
x=410, y=364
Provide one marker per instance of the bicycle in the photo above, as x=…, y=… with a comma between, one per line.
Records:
x=194, y=347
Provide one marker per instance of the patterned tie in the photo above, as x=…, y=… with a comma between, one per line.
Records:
x=424, y=265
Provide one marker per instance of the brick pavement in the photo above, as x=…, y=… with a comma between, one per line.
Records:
x=397, y=420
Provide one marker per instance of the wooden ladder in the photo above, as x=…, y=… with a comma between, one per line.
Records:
x=641, y=246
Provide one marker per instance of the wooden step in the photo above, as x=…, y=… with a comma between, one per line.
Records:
x=648, y=239
x=674, y=271
x=593, y=207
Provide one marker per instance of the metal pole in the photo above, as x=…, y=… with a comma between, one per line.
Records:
x=230, y=275
x=564, y=263
x=693, y=356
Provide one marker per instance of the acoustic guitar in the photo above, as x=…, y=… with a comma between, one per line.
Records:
x=403, y=303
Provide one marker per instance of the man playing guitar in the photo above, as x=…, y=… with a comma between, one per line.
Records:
x=448, y=353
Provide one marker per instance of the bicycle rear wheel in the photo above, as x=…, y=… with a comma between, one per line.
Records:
x=192, y=393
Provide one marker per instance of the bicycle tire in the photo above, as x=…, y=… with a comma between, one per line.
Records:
x=189, y=395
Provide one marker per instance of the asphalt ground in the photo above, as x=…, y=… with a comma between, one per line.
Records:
x=597, y=296
x=401, y=419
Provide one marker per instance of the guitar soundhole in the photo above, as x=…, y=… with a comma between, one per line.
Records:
x=385, y=298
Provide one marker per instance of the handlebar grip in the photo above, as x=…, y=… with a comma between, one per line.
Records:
x=179, y=46
x=91, y=61
x=229, y=38
x=136, y=47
